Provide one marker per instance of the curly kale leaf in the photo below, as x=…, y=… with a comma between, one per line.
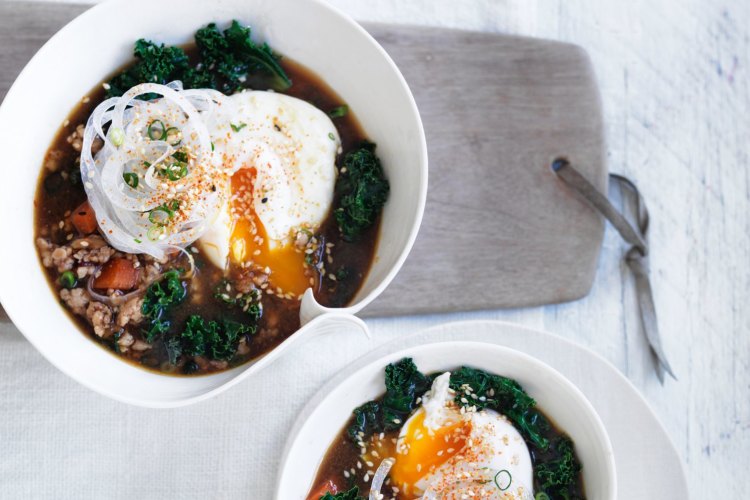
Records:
x=558, y=477
x=503, y=395
x=352, y=494
x=161, y=297
x=404, y=384
x=213, y=339
x=254, y=56
x=164, y=294
x=362, y=191
x=224, y=62
x=156, y=63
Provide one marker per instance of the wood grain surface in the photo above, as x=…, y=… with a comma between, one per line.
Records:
x=497, y=110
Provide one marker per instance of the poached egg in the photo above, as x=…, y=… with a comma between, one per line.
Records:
x=444, y=452
x=281, y=151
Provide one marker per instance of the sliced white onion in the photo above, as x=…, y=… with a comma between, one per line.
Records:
x=123, y=211
x=379, y=478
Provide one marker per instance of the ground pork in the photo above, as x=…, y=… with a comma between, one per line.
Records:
x=100, y=317
x=130, y=312
x=151, y=272
x=76, y=299
x=94, y=255
x=53, y=256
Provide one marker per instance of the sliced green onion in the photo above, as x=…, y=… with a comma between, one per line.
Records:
x=177, y=171
x=157, y=131
x=173, y=136
x=137, y=240
x=162, y=213
x=331, y=136
x=212, y=146
x=239, y=127
x=131, y=179
x=159, y=215
x=68, y=280
x=117, y=136
x=510, y=479
x=180, y=155
x=156, y=232
x=339, y=111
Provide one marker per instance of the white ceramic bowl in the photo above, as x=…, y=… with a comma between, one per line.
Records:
x=325, y=416
x=83, y=54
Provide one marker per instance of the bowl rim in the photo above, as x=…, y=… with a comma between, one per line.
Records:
x=378, y=359
x=18, y=314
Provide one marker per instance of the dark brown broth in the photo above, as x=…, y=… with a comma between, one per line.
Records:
x=57, y=195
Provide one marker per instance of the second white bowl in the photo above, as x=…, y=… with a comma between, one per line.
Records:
x=325, y=416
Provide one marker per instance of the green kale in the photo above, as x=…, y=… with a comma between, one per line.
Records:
x=213, y=339
x=362, y=190
x=253, y=56
x=160, y=297
x=352, y=494
x=558, y=477
x=155, y=64
x=503, y=395
x=225, y=60
x=404, y=384
x=164, y=294
x=339, y=111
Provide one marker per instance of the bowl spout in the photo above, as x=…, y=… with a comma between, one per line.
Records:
x=329, y=318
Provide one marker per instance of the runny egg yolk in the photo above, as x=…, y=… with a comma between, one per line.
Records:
x=249, y=241
x=422, y=450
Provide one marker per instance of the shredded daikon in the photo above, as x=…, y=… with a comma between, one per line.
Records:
x=174, y=188
x=377, y=480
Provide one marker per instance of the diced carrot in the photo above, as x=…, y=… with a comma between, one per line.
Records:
x=327, y=487
x=84, y=218
x=117, y=274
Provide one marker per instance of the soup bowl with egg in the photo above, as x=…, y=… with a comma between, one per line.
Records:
x=449, y=420
x=192, y=198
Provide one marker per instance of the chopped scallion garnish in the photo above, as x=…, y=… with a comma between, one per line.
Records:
x=156, y=232
x=239, y=127
x=173, y=136
x=131, y=179
x=157, y=131
x=177, y=171
x=68, y=280
x=510, y=479
x=339, y=111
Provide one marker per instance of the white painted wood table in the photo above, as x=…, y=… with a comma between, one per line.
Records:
x=674, y=81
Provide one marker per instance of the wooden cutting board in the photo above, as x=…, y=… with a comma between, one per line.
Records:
x=499, y=229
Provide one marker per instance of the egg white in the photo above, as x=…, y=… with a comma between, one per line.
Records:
x=293, y=147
